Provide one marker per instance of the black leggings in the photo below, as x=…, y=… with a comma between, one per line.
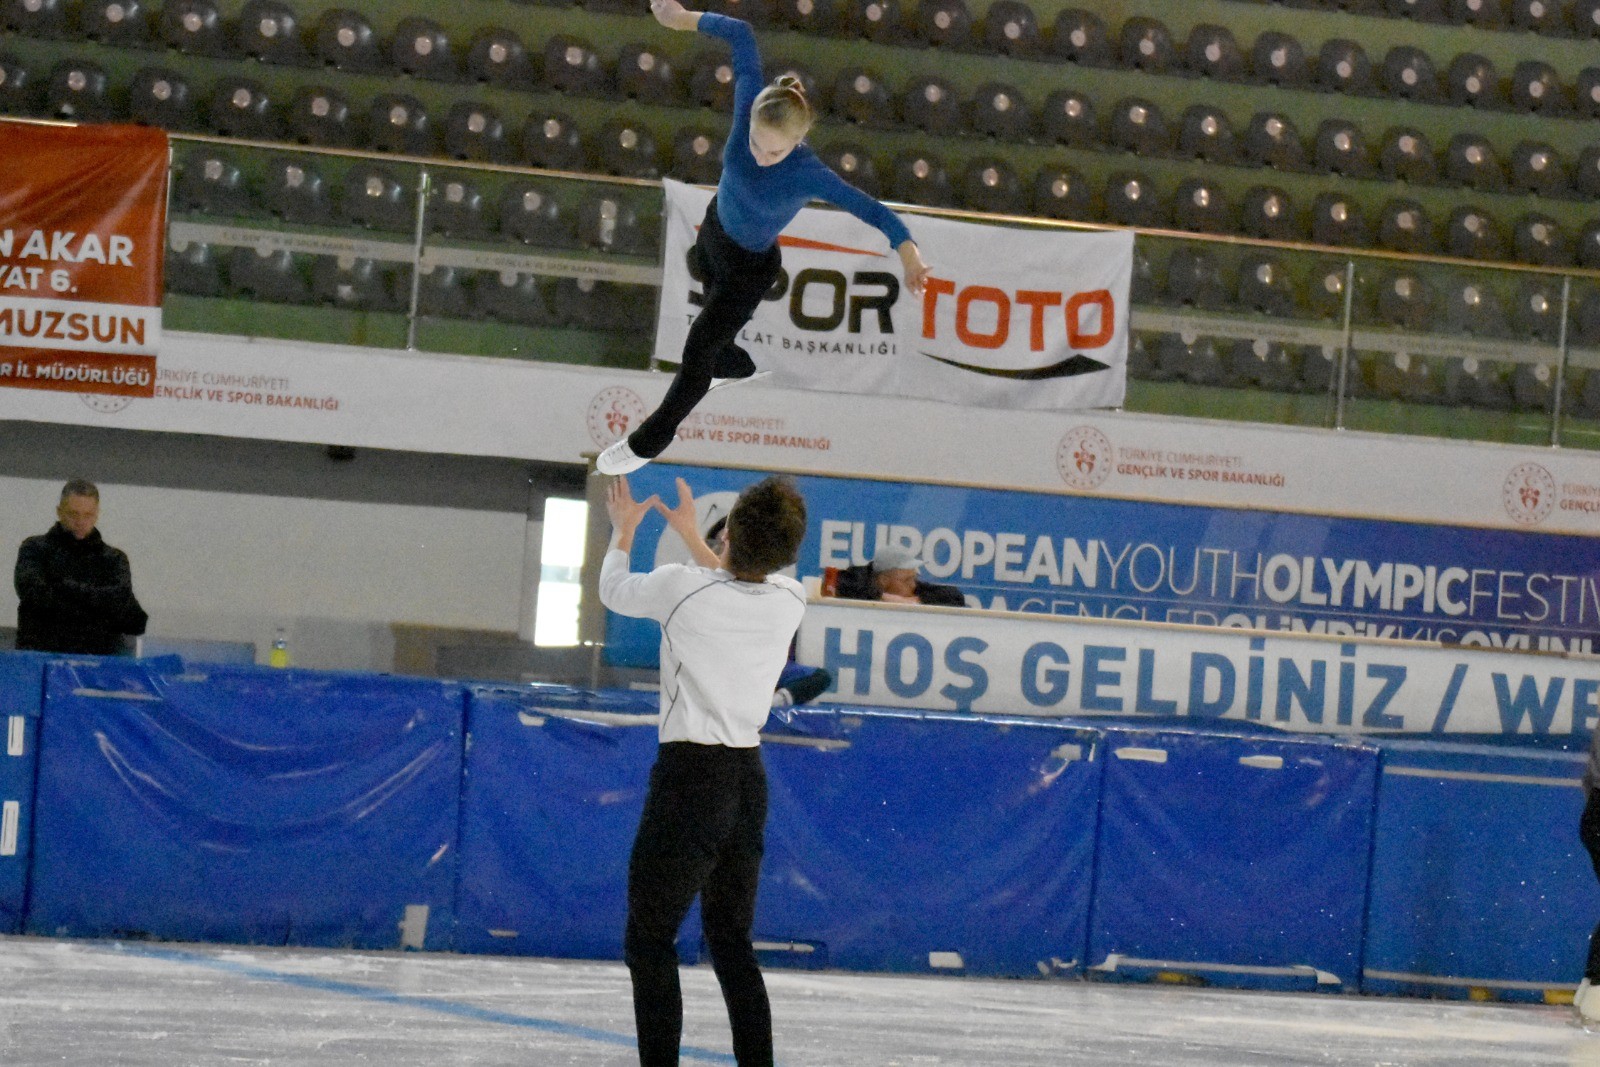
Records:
x=701, y=832
x=1589, y=832
x=735, y=281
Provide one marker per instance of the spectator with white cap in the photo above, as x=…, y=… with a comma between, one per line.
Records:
x=892, y=577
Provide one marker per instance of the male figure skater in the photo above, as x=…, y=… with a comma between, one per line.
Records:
x=725, y=635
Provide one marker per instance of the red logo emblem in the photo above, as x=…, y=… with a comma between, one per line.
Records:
x=613, y=413
x=1529, y=493
x=1084, y=458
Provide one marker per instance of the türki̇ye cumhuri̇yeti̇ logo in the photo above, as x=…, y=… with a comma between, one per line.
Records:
x=1084, y=458
x=612, y=413
x=1529, y=493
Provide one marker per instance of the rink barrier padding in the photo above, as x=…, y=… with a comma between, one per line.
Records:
x=1480, y=884
x=1232, y=859
x=928, y=843
x=247, y=805
x=21, y=701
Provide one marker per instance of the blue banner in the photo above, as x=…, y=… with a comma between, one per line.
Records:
x=1094, y=557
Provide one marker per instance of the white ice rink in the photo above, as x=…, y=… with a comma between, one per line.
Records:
x=90, y=1004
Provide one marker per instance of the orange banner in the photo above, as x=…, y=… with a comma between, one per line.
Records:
x=82, y=231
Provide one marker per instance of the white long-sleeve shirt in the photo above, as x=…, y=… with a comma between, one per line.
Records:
x=723, y=644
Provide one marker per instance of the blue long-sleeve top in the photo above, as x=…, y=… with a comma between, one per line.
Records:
x=755, y=203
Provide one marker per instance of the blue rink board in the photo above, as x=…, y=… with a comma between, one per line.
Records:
x=21, y=698
x=1479, y=879
x=1237, y=860
x=245, y=804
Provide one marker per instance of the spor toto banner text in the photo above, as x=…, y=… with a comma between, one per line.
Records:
x=1097, y=557
x=82, y=219
x=1010, y=318
x=1010, y=664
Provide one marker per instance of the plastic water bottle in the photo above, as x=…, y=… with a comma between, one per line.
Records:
x=279, y=656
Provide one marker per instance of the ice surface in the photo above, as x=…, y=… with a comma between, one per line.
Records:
x=90, y=1004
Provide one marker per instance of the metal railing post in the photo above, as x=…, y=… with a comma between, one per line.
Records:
x=1561, y=363
x=416, y=260
x=1344, y=349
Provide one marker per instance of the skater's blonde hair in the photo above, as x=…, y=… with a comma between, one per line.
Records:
x=783, y=106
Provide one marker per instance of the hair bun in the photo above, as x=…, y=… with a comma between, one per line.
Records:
x=789, y=81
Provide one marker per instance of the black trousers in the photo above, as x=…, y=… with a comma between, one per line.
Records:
x=1589, y=832
x=735, y=279
x=701, y=833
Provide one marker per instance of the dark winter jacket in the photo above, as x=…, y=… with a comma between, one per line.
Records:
x=75, y=596
x=855, y=583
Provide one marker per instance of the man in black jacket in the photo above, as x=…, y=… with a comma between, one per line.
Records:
x=892, y=576
x=75, y=591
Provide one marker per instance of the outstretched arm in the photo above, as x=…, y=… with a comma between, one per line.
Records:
x=835, y=190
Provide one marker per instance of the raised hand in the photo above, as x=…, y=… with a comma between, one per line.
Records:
x=916, y=271
x=683, y=520
x=673, y=15
x=626, y=513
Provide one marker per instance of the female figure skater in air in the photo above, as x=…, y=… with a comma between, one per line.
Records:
x=768, y=175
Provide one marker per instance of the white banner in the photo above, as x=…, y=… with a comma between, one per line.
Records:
x=958, y=660
x=1011, y=318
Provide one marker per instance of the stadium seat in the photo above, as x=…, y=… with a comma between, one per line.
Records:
x=1335, y=220
x=475, y=131
x=294, y=190
x=1471, y=307
x=1420, y=10
x=1169, y=357
x=998, y=110
x=1405, y=226
x=697, y=155
x=1272, y=140
x=1279, y=59
x=1201, y=206
x=1409, y=74
x=160, y=97
x=1474, y=234
x=816, y=18
x=352, y=284
x=1485, y=14
x=1343, y=67
x=516, y=298
x=1146, y=286
x=1212, y=52
x=269, y=30
x=1589, y=245
x=1586, y=175
x=240, y=107
x=1131, y=200
x=1146, y=44
x=1319, y=369
x=880, y=21
x=1543, y=17
x=456, y=208
x=193, y=268
x=852, y=163
x=1010, y=28
x=1408, y=156
x=119, y=23
x=210, y=183
x=1470, y=160
x=1405, y=299
x=1538, y=239
x=320, y=115
x=1264, y=285
x=1194, y=278
x=860, y=96
x=571, y=65
x=941, y=23
x=609, y=223
x=528, y=213
x=77, y=89
x=920, y=178
x=647, y=74
x=1205, y=133
x=988, y=183
x=344, y=40
x=400, y=124
x=1260, y=364
x=445, y=292
x=1586, y=93
x=1583, y=16
x=497, y=56
x=1189, y=358
x=1472, y=81
x=1080, y=36
x=421, y=48
x=1063, y=193
x=1068, y=118
x=1539, y=168
x=1533, y=387
x=1268, y=213
x=1138, y=126
x=38, y=19
x=550, y=139
x=1472, y=383
x=930, y=104
x=1326, y=289
x=628, y=150
x=277, y=277
x=376, y=200
x=1141, y=361
x=1341, y=148
x=1536, y=88
x=1586, y=325
x=19, y=93
x=1536, y=309
x=194, y=27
